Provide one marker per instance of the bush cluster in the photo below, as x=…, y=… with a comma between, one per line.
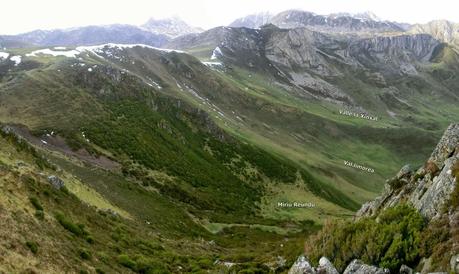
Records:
x=394, y=238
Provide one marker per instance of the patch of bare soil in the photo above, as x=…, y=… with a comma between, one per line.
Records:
x=57, y=143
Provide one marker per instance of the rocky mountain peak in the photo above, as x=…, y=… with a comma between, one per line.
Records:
x=90, y=35
x=253, y=21
x=367, y=15
x=339, y=22
x=171, y=27
x=443, y=30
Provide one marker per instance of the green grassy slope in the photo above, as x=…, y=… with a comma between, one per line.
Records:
x=51, y=230
x=203, y=155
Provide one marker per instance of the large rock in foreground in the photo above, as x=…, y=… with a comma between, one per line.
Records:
x=358, y=267
x=326, y=267
x=302, y=266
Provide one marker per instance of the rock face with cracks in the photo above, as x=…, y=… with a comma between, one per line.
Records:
x=428, y=189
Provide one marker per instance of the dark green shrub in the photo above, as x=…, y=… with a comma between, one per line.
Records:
x=150, y=265
x=99, y=271
x=392, y=239
x=33, y=247
x=77, y=229
x=125, y=261
x=36, y=204
x=84, y=254
x=39, y=214
x=89, y=239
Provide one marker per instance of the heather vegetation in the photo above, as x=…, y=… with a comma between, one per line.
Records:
x=397, y=236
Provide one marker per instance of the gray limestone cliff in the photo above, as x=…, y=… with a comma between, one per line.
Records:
x=429, y=188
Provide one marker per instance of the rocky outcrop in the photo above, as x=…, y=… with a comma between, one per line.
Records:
x=406, y=270
x=448, y=145
x=56, y=182
x=420, y=46
x=429, y=188
x=358, y=267
x=393, y=54
x=303, y=266
x=326, y=267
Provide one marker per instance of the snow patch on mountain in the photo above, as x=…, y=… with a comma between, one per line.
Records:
x=16, y=59
x=216, y=53
x=69, y=53
x=96, y=50
x=4, y=55
x=101, y=48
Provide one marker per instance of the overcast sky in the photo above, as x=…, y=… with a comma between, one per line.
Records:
x=25, y=15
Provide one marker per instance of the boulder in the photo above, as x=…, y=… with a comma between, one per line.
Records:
x=358, y=267
x=404, y=269
x=56, y=182
x=7, y=129
x=430, y=196
x=404, y=172
x=326, y=267
x=302, y=266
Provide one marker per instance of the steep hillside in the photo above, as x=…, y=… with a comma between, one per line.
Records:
x=232, y=138
x=322, y=84
x=411, y=227
x=139, y=128
x=62, y=214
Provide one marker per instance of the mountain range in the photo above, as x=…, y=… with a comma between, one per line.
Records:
x=166, y=148
x=157, y=32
